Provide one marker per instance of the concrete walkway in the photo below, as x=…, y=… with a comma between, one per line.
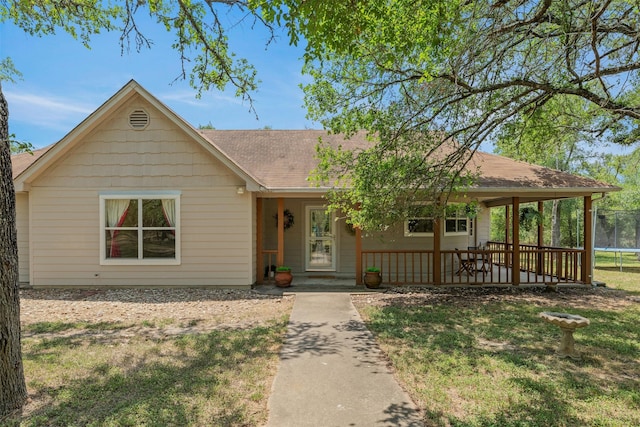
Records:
x=332, y=372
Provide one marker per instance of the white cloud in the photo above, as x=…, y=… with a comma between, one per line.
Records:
x=45, y=110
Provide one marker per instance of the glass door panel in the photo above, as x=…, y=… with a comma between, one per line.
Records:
x=320, y=245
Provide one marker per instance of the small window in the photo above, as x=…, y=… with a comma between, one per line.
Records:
x=140, y=229
x=420, y=225
x=456, y=223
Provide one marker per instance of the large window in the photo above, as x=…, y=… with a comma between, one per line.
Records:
x=140, y=228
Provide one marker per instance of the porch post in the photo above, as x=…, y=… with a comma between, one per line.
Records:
x=539, y=258
x=437, y=263
x=358, y=256
x=507, y=219
x=515, y=226
x=280, y=257
x=587, y=262
x=259, y=243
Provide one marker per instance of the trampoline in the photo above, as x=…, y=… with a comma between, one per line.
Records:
x=616, y=231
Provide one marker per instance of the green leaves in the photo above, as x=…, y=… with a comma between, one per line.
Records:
x=379, y=186
x=81, y=19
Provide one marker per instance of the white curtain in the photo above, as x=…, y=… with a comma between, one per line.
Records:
x=169, y=209
x=116, y=212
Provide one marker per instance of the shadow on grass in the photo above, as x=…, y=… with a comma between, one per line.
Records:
x=502, y=352
x=201, y=379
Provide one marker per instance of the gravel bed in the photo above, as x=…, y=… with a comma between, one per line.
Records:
x=204, y=308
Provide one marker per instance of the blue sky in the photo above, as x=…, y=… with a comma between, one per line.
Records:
x=63, y=82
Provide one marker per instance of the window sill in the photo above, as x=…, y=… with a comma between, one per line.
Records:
x=152, y=261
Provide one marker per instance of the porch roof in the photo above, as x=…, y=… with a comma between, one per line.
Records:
x=282, y=160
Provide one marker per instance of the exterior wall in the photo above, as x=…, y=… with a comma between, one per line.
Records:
x=483, y=226
x=22, y=226
x=216, y=239
x=394, y=238
x=294, y=237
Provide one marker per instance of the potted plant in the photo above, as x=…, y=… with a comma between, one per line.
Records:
x=283, y=277
x=372, y=277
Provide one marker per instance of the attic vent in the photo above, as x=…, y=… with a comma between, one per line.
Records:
x=138, y=119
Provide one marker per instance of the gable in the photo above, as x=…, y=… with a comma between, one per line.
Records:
x=166, y=129
x=117, y=154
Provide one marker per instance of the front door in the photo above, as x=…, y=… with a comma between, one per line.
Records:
x=320, y=240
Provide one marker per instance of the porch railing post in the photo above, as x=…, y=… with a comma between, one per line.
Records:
x=539, y=258
x=588, y=241
x=259, y=243
x=515, y=270
x=280, y=256
x=437, y=272
x=507, y=219
x=358, y=256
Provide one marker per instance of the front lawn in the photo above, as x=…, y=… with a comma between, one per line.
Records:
x=109, y=374
x=483, y=357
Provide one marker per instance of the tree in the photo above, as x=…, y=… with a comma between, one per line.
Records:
x=416, y=75
x=560, y=135
x=13, y=390
x=457, y=70
x=201, y=43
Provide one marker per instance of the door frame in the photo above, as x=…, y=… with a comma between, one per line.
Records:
x=333, y=238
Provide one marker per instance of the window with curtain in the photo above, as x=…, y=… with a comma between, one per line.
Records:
x=140, y=228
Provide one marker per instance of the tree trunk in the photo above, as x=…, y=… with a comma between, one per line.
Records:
x=555, y=224
x=13, y=391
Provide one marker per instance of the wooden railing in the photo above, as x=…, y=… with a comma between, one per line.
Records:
x=401, y=267
x=543, y=264
x=493, y=265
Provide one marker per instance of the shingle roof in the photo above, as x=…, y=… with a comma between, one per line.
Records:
x=279, y=159
x=282, y=159
x=503, y=172
x=19, y=162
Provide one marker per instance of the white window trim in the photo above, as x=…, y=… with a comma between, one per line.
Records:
x=174, y=195
x=456, y=233
x=468, y=232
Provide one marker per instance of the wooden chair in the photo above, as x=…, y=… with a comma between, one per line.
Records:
x=465, y=264
x=480, y=254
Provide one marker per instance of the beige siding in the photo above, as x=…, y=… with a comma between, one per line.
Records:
x=483, y=222
x=22, y=226
x=216, y=236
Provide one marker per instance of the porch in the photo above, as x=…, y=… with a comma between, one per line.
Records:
x=492, y=263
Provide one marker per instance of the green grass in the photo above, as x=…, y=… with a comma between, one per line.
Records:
x=607, y=269
x=95, y=376
x=486, y=359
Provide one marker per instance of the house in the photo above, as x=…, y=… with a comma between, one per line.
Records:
x=135, y=196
